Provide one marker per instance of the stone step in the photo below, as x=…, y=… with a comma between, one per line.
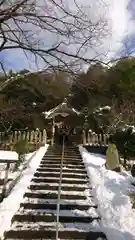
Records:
x=56, y=174
x=57, y=165
x=53, y=206
x=89, y=212
x=53, y=195
x=65, y=156
x=68, y=154
x=64, y=169
x=77, y=174
x=55, y=157
x=65, y=150
x=55, y=186
x=80, y=226
x=74, y=152
x=50, y=233
x=50, y=215
x=59, y=150
x=58, y=161
x=54, y=238
x=56, y=179
x=78, y=218
x=65, y=161
x=39, y=239
x=87, y=192
x=99, y=238
x=62, y=202
x=57, y=147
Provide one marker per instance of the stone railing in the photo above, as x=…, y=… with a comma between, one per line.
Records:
x=92, y=138
x=35, y=136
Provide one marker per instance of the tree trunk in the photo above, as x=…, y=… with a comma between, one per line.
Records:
x=125, y=161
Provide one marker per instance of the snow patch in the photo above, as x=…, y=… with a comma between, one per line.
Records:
x=8, y=155
x=29, y=155
x=91, y=212
x=11, y=204
x=62, y=201
x=110, y=190
x=74, y=226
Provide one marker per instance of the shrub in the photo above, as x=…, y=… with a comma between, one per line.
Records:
x=125, y=142
x=21, y=147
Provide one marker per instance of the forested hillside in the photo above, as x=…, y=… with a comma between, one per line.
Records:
x=22, y=101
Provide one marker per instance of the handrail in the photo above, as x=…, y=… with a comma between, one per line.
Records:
x=59, y=189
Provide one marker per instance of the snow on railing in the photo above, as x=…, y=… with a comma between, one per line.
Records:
x=34, y=136
x=94, y=139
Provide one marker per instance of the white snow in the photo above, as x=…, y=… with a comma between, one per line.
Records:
x=8, y=155
x=62, y=201
x=74, y=226
x=11, y=204
x=71, y=213
x=111, y=193
x=29, y=155
x=74, y=193
x=5, y=156
x=57, y=184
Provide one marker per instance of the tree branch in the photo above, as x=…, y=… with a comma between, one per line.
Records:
x=23, y=21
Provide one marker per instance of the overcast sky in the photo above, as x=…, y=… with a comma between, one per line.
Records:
x=121, y=18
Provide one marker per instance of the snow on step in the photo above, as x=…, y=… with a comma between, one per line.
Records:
x=58, y=158
x=56, y=179
x=70, y=213
x=64, y=174
x=52, y=195
x=54, y=186
x=65, y=169
x=89, y=201
x=74, y=226
x=74, y=193
x=63, y=184
x=70, y=154
x=65, y=164
x=57, y=165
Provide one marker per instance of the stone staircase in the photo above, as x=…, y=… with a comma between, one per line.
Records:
x=78, y=218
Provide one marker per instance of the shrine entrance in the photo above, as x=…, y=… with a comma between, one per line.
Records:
x=63, y=119
x=64, y=126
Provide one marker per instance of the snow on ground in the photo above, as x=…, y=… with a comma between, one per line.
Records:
x=11, y=204
x=12, y=155
x=8, y=155
x=110, y=190
x=29, y=155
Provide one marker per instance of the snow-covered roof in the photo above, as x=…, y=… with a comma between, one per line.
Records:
x=62, y=109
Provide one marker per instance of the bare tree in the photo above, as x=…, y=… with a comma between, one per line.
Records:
x=121, y=115
x=10, y=112
x=56, y=32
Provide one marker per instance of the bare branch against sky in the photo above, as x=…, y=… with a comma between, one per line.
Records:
x=56, y=32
